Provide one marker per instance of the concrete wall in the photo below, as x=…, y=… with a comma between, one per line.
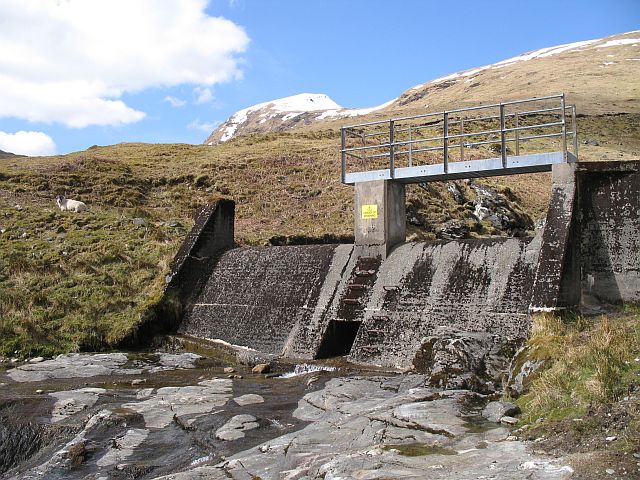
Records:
x=591, y=244
x=609, y=220
x=256, y=297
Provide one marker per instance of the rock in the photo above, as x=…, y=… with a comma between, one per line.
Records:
x=261, y=368
x=453, y=229
x=506, y=420
x=233, y=375
x=494, y=411
x=229, y=370
x=190, y=401
x=139, y=221
x=611, y=439
x=73, y=401
x=252, y=357
x=77, y=453
x=458, y=196
x=610, y=471
x=39, y=391
x=465, y=360
x=500, y=210
x=36, y=360
x=138, y=381
x=234, y=429
x=248, y=399
x=522, y=372
x=77, y=365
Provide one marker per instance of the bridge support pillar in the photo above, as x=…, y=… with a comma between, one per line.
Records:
x=380, y=219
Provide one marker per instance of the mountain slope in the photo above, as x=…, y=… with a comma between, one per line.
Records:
x=283, y=114
x=600, y=76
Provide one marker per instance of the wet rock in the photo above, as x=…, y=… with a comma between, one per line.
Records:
x=467, y=360
x=229, y=370
x=261, y=368
x=72, y=366
x=144, y=393
x=248, y=399
x=252, y=357
x=494, y=411
x=358, y=429
x=171, y=361
x=234, y=429
x=73, y=401
x=123, y=447
x=186, y=403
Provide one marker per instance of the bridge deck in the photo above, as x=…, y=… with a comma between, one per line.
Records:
x=489, y=167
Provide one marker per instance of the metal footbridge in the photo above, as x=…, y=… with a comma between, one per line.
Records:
x=522, y=136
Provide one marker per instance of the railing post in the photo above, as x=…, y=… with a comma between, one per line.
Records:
x=517, y=136
x=392, y=159
x=445, y=139
x=575, y=130
x=503, y=143
x=461, y=140
x=410, y=147
x=564, y=129
x=344, y=154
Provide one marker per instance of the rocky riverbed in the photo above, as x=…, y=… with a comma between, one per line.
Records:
x=182, y=416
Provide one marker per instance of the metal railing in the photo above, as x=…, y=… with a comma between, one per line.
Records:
x=443, y=137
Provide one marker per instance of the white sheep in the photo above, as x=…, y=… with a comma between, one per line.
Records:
x=71, y=205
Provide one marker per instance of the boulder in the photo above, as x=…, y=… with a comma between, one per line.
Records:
x=495, y=411
x=261, y=368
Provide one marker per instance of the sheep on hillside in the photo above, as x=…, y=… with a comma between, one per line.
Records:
x=71, y=205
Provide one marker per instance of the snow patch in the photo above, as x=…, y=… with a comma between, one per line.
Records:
x=620, y=41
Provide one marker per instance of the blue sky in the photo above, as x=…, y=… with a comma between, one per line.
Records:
x=81, y=75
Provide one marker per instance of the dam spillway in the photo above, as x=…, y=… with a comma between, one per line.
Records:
x=465, y=303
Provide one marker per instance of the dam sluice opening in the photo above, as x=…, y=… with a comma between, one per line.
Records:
x=338, y=338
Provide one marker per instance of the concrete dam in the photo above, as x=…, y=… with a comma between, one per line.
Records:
x=437, y=307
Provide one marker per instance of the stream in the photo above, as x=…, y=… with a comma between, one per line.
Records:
x=180, y=415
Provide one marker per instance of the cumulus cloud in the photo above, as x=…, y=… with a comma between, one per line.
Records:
x=71, y=61
x=203, y=95
x=204, y=126
x=27, y=143
x=174, y=102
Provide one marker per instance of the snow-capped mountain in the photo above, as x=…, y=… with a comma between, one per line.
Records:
x=284, y=113
x=600, y=76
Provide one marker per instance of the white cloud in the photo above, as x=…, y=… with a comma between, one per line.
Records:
x=204, y=126
x=27, y=143
x=70, y=61
x=203, y=95
x=174, y=102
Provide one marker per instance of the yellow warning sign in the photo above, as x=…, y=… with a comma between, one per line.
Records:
x=369, y=211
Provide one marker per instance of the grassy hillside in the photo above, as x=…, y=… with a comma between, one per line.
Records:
x=72, y=281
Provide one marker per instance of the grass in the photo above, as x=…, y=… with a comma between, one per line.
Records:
x=81, y=281
x=589, y=362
